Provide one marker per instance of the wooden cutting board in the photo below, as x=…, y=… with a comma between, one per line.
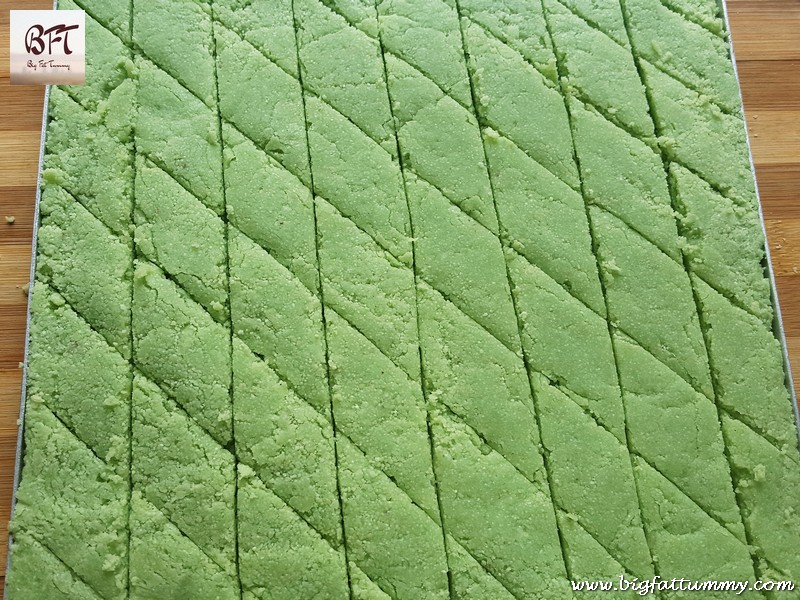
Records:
x=766, y=36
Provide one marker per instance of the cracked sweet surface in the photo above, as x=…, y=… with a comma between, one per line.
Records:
x=686, y=51
x=400, y=300
x=584, y=52
x=702, y=12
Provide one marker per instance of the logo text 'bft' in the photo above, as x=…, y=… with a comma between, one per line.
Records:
x=34, y=38
x=48, y=47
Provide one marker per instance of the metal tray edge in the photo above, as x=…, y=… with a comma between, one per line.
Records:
x=777, y=324
x=21, y=418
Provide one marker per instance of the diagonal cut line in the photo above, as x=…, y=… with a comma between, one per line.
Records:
x=186, y=536
x=555, y=502
x=71, y=571
x=387, y=250
x=730, y=412
x=729, y=297
x=726, y=295
x=580, y=97
x=355, y=445
x=525, y=358
x=685, y=84
x=127, y=241
x=508, y=245
x=698, y=308
x=320, y=278
x=225, y=219
x=656, y=469
x=185, y=413
x=251, y=140
x=422, y=374
x=289, y=385
x=619, y=329
x=678, y=11
x=589, y=220
x=72, y=432
x=78, y=200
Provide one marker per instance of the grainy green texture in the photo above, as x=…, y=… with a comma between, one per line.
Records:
x=583, y=53
x=400, y=300
x=688, y=52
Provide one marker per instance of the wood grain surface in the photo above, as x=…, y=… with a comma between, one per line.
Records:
x=766, y=37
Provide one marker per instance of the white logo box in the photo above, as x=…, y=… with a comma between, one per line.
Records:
x=47, y=47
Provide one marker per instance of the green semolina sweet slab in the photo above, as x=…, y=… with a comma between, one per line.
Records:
x=167, y=565
x=650, y=299
x=592, y=481
x=677, y=431
x=520, y=103
x=162, y=26
x=278, y=318
x=462, y=260
x=686, y=540
x=584, y=52
x=767, y=478
x=364, y=299
x=567, y=342
x=748, y=365
x=183, y=472
x=368, y=287
x=80, y=257
x=179, y=345
x=266, y=24
x=177, y=131
x=343, y=66
x=38, y=573
x=381, y=410
x=529, y=200
x=270, y=206
x=518, y=24
x=697, y=134
x=76, y=507
x=393, y=541
x=184, y=237
x=464, y=365
x=262, y=101
x=724, y=243
x=286, y=442
x=624, y=176
x=685, y=50
x=359, y=177
x=274, y=542
x=426, y=34
x=94, y=406
x=88, y=162
x=429, y=123
x=488, y=506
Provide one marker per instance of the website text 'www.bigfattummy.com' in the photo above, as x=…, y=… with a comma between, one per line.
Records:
x=658, y=584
